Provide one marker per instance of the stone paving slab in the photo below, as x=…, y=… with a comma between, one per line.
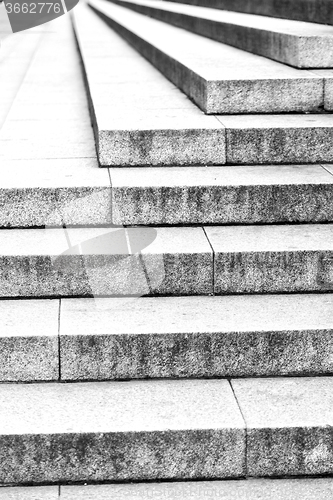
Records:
x=253, y=489
x=54, y=192
x=177, y=337
x=217, y=77
x=289, y=425
x=105, y=261
x=299, y=44
x=30, y=493
x=182, y=135
x=29, y=349
x=270, y=259
x=279, y=139
x=221, y=195
x=120, y=431
x=314, y=11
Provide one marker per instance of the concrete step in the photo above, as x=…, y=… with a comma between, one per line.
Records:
x=177, y=337
x=272, y=259
x=242, y=489
x=217, y=77
x=139, y=117
x=222, y=195
x=298, y=44
x=105, y=261
x=313, y=11
x=120, y=431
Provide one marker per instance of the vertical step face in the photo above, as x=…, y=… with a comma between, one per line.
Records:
x=139, y=117
x=313, y=11
x=270, y=259
x=289, y=425
x=105, y=261
x=178, y=337
x=216, y=195
x=120, y=431
x=303, y=45
x=216, y=84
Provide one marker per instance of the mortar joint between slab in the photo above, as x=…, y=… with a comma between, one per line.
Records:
x=213, y=261
x=245, y=426
x=59, y=347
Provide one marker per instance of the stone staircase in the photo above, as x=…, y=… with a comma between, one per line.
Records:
x=167, y=274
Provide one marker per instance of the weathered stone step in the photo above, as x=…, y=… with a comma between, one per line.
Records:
x=299, y=44
x=313, y=11
x=242, y=489
x=177, y=337
x=120, y=431
x=105, y=261
x=166, y=337
x=222, y=195
x=271, y=259
x=140, y=118
x=217, y=77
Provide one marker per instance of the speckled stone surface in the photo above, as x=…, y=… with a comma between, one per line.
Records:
x=134, y=135
x=120, y=431
x=270, y=259
x=253, y=489
x=220, y=195
x=54, y=192
x=29, y=347
x=287, y=41
x=289, y=425
x=29, y=493
x=244, y=83
x=327, y=75
x=313, y=11
x=172, y=337
x=105, y=261
x=278, y=139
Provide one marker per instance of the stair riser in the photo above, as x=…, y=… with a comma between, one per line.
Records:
x=293, y=50
x=222, y=205
x=312, y=11
x=229, y=97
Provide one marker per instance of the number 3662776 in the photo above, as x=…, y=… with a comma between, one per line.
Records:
x=32, y=8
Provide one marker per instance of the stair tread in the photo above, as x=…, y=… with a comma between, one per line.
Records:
x=221, y=70
x=316, y=39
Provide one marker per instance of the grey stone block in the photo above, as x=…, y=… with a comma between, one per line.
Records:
x=120, y=431
x=105, y=261
x=327, y=75
x=289, y=425
x=29, y=347
x=287, y=41
x=177, y=337
x=278, y=139
x=270, y=259
x=254, y=489
x=218, y=195
x=217, y=83
x=313, y=11
x=53, y=193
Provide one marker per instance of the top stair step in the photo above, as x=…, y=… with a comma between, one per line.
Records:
x=299, y=44
x=313, y=11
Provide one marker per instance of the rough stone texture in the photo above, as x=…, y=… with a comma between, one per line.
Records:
x=54, y=192
x=105, y=261
x=253, y=489
x=279, y=139
x=313, y=11
x=171, y=337
x=221, y=195
x=29, y=347
x=287, y=41
x=30, y=493
x=262, y=259
x=243, y=83
x=327, y=75
x=129, y=134
x=289, y=425
x=120, y=431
